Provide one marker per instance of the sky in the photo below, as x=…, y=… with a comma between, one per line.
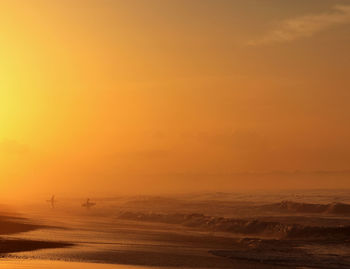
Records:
x=161, y=96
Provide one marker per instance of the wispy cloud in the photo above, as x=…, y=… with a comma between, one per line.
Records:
x=305, y=26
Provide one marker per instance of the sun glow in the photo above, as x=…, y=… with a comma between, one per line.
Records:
x=132, y=95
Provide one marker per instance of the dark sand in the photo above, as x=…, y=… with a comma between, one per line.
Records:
x=13, y=225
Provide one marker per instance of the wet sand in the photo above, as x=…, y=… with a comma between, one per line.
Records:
x=54, y=264
x=119, y=243
x=50, y=264
x=14, y=225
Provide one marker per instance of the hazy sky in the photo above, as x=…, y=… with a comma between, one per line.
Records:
x=144, y=96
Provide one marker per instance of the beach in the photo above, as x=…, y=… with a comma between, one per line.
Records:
x=124, y=233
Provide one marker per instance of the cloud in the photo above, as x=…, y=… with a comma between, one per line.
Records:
x=305, y=26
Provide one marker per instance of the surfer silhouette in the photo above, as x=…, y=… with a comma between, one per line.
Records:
x=52, y=201
x=88, y=204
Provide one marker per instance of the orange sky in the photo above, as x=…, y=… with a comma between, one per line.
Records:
x=145, y=96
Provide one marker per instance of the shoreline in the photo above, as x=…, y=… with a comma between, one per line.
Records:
x=14, y=225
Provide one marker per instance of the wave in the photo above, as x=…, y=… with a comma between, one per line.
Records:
x=289, y=206
x=251, y=227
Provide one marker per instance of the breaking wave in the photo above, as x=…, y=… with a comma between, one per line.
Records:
x=293, y=207
x=251, y=227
